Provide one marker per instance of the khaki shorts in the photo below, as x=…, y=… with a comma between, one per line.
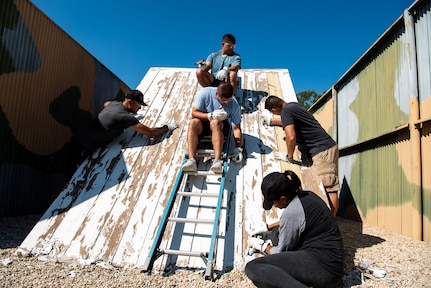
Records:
x=326, y=166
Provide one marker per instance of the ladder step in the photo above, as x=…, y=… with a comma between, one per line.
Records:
x=195, y=194
x=200, y=173
x=205, y=152
x=189, y=220
x=184, y=253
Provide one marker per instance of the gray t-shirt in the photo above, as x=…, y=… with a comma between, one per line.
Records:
x=218, y=61
x=307, y=224
x=206, y=101
x=104, y=128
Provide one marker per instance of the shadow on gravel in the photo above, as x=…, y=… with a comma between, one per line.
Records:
x=353, y=239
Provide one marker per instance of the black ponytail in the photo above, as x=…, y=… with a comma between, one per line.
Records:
x=294, y=181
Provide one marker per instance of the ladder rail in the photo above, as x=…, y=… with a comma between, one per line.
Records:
x=149, y=261
x=209, y=272
x=209, y=257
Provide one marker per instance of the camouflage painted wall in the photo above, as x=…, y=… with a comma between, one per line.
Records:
x=378, y=116
x=50, y=86
x=423, y=47
x=323, y=111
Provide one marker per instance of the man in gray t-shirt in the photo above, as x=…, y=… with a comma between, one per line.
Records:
x=221, y=66
x=213, y=111
x=109, y=124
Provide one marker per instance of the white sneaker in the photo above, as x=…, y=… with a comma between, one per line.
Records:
x=190, y=165
x=217, y=166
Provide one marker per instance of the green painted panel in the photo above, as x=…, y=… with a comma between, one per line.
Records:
x=378, y=180
x=376, y=104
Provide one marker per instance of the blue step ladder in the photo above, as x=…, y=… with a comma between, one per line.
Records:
x=208, y=256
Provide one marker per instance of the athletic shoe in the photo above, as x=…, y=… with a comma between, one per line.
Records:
x=190, y=165
x=217, y=166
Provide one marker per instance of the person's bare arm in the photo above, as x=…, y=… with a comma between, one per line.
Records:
x=273, y=225
x=150, y=131
x=208, y=66
x=237, y=134
x=196, y=113
x=234, y=68
x=289, y=130
x=275, y=122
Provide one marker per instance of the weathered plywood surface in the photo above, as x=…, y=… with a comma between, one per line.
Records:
x=111, y=209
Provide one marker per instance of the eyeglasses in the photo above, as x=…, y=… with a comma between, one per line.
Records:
x=229, y=45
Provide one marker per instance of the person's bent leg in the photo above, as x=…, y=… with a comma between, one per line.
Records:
x=194, y=130
x=204, y=78
x=334, y=198
x=265, y=274
x=233, y=79
x=290, y=269
x=326, y=166
x=217, y=137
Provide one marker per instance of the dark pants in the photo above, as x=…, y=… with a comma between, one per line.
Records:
x=290, y=269
x=77, y=155
x=216, y=82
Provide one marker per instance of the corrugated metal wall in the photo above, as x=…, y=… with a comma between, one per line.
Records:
x=382, y=109
x=423, y=46
x=50, y=86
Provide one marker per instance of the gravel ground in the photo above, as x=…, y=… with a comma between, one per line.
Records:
x=397, y=261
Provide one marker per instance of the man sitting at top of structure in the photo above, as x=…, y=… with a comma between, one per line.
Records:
x=224, y=65
x=210, y=112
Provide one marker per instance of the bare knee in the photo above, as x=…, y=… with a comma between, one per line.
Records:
x=195, y=125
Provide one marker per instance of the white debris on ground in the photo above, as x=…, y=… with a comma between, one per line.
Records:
x=374, y=258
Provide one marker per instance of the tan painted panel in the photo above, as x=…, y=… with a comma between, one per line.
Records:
x=426, y=181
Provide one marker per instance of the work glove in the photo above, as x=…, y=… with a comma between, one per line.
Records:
x=237, y=155
x=259, y=229
x=266, y=119
x=139, y=116
x=218, y=114
x=172, y=126
x=222, y=74
x=257, y=245
x=283, y=157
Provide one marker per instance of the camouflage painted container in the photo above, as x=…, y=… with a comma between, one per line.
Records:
x=50, y=86
x=381, y=111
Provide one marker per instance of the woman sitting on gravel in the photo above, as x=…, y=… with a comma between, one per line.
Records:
x=309, y=250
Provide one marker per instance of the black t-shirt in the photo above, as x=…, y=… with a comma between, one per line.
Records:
x=104, y=128
x=308, y=224
x=321, y=235
x=311, y=138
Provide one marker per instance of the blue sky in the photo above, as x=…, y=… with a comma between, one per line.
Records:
x=317, y=41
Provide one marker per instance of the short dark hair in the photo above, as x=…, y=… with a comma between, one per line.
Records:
x=225, y=89
x=273, y=102
x=228, y=38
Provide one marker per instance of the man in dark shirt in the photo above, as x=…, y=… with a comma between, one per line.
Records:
x=109, y=124
x=302, y=129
